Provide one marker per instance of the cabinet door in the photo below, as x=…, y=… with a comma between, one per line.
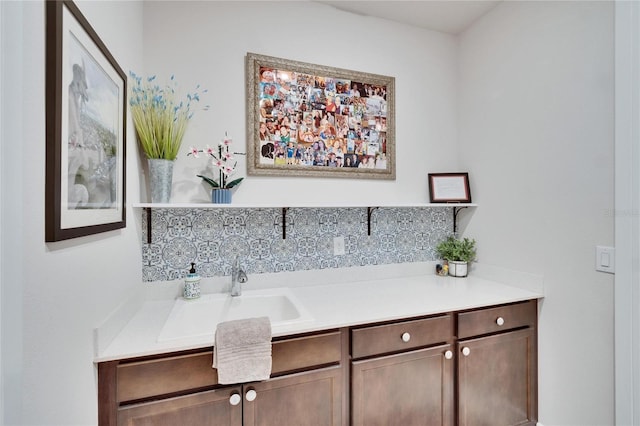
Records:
x=411, y=388
x=205, y=408
x=497, y=380
x=311, y=398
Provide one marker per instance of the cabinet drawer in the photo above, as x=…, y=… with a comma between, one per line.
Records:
x=306, y=352
x=491, y=320
x=144, y=379
x=180, y=373
x=401, y=336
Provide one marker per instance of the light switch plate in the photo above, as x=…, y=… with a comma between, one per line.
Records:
x=606, y=259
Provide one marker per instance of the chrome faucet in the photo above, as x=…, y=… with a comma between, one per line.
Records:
x=238, y=277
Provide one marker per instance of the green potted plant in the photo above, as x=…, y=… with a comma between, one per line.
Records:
x=160, y=120
x=458, y=253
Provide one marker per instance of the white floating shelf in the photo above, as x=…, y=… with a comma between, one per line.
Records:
x=293, y=205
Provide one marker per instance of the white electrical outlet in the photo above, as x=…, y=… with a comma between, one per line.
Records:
x=338, y=246
x=606, y=259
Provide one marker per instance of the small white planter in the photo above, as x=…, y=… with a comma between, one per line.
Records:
x=458, y=269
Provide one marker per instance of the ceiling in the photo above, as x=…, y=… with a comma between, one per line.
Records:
x=448, y=16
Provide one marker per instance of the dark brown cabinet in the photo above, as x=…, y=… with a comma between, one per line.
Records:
x=497, y=372
x=412, y=388
x=304, y=399
x=482, y=372
x=468, y=368
x=181, y=388
x=203, y=408
x=312, y=398
x=403, y=373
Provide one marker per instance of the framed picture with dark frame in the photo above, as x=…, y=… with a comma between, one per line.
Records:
x=85, y=129
x=314, y=120
x=449, y=188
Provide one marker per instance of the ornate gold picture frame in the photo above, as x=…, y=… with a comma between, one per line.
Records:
x=313, y=120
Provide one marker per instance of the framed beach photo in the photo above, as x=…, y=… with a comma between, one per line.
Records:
x=85, y=129
x=449, y=188
x=314, y=120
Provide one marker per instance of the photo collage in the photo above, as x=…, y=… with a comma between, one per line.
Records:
x=308, y=120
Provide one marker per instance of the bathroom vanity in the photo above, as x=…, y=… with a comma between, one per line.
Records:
x=420, y=350
x=181, y=388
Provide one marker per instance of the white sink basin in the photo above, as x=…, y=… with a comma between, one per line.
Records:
x=199, y=317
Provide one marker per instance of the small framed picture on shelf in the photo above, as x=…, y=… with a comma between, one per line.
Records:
x=449, y=188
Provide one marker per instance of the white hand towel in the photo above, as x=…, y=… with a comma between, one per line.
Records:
x=242, y=350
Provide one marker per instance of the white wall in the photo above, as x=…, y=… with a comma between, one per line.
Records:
x=536, y=133
x=11, y=242
x=2, y=106
x=53, y=295
x=627, y=219
x=206, y=43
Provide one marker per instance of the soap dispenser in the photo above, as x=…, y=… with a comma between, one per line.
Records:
x=192, y=284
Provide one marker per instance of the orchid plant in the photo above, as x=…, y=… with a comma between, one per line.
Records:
x=223, y=161
x=159, y=118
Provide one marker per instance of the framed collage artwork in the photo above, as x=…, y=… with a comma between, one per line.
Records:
x=85, y=129
x=312, y=120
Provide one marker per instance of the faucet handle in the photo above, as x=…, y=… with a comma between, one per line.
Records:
x=242, y=276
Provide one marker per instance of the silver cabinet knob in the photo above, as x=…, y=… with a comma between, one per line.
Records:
x=500, y=321
x=466, y=351
x=406, y=337
x=235, y=399
x=251, y=395
x=448, y=355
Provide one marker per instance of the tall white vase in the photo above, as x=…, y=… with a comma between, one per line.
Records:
x=160, y=179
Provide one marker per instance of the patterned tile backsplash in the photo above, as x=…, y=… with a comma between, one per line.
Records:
x=212, y=238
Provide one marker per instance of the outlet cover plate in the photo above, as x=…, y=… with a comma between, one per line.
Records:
x=338, y=246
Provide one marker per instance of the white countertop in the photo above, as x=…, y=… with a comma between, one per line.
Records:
x=340, y=304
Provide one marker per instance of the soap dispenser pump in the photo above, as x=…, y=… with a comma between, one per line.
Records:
x=191, y=284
